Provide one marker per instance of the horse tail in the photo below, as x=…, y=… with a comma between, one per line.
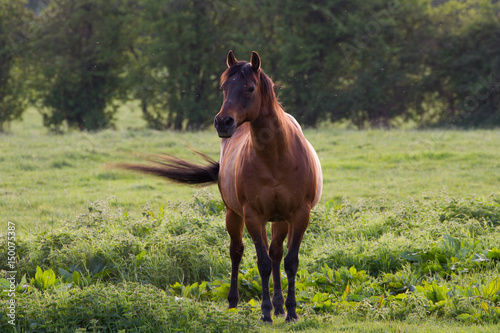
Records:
x=178, y=170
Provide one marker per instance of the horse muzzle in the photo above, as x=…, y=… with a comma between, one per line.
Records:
x=225, y=126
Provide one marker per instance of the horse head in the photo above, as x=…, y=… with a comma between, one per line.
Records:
x=242, y=88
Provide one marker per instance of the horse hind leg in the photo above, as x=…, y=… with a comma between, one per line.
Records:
x=279, y=231
x=234, y=226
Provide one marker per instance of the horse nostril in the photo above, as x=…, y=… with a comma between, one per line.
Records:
x=228, y=121
x=225, y=126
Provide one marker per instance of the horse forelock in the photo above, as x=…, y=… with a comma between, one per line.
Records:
x=244, y=68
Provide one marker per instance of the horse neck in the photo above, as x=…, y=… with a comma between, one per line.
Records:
x=269, y=131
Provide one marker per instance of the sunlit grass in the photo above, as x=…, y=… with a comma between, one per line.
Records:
x=51, y=177
x=408, y=207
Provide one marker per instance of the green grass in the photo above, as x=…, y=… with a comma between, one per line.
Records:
x=394, y=265
x=406, y=237
x=327, y=324
x=50, y=178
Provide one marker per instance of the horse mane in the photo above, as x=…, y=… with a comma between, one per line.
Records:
x=267, y=85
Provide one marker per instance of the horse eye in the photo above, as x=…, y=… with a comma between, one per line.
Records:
x=250, y=89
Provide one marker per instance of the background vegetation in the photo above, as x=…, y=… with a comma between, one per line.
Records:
x=405, y=238
x=377, y=63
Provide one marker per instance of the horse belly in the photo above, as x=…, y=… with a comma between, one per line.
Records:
x=228, y=194
x=318, y=175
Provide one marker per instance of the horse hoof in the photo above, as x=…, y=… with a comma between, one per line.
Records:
x=266, y=320
x=279, y=312
x=291, y=317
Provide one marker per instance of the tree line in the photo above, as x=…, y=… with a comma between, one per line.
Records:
x=370, y=63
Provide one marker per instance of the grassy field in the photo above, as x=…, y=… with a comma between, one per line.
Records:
x=406, y=237
x=50, y=178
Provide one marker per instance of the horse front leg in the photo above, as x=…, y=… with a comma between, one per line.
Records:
x=279, y=230
x=298, y=227
x=256, y=226
x=234, y=226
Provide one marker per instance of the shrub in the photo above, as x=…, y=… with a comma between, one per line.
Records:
x=129, y=306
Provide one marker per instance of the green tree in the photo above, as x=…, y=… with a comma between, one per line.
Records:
x=294, y=40
x=12, y=16
x=384, y=64
x=178, y=57
x=466, y=65
x=78, y=54
x=336, y=59
x=374, y=63
x=308, y=37
x=430, y=62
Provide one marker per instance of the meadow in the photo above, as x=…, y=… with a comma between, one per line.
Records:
x=406, y=237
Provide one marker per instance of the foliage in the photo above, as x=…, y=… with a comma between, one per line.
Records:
x=177, y=59
x=12, y=12
x=474, y=77
x=108, y=245
x=379, y=64
x=407, y=259
x=381, y=80
x=348, y=290
x=77, y=53
x=130, y=306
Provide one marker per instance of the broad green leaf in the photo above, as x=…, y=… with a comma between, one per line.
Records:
x=463, y=316
x=484, y=305
x=493, y=287
x=66, y=275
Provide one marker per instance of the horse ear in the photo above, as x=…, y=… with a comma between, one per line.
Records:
x=255, y=61
x=231, y=59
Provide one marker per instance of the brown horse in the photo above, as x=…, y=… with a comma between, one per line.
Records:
x=267, y=171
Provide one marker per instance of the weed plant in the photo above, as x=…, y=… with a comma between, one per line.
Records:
x=168, y=270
